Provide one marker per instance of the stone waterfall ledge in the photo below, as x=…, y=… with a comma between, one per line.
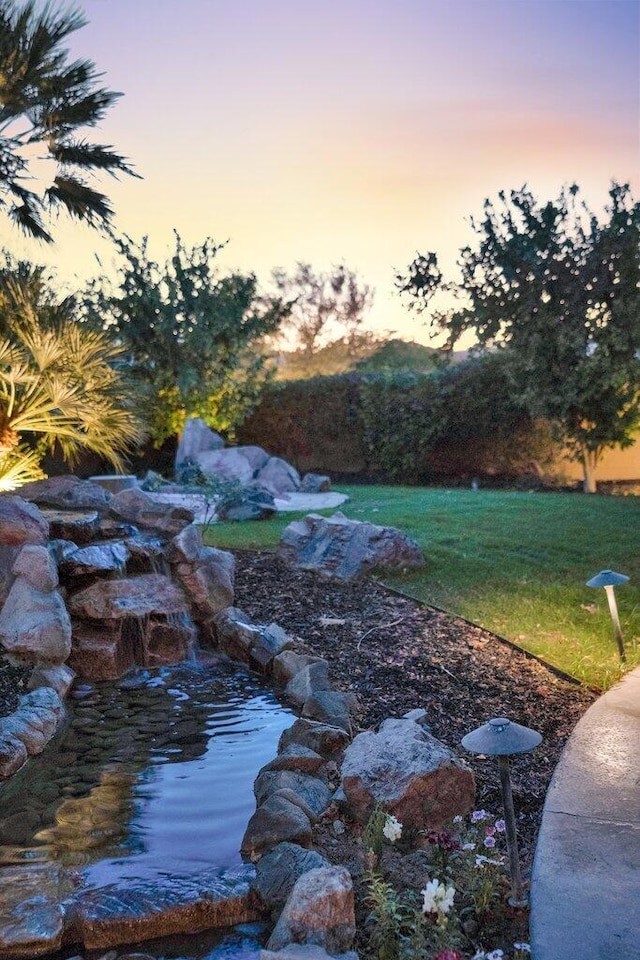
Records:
x=28, y=730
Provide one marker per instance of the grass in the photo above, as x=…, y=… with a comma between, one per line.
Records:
x=515, y=563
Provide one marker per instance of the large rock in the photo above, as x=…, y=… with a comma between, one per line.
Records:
x=411, y=774
x=288, y=663
x=143, y=510
x=312, y=792
x=78, y=526
x=278, y=870
x=136, y=598
x=13, y=755
x=319, y=910
x=102, y=651
x=34, y=625
x=227, y=464
x=319, y=737
x=67, y=493
x=59, y=678
x=278, y=477
x=36, y=720
x=208, y=581
x=344, y=549
x=36, y=565
x=21, y=522
x=247, y=505
x=278, y=820
x=98, y=559
x=308, y=681
x=31, y=911
x=196, y=438
x=315, y=483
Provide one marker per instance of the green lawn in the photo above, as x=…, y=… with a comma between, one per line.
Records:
x=513, y=562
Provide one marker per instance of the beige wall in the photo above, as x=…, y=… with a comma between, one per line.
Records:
x=615, y=465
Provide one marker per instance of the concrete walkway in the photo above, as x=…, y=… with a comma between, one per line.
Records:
x=585, y=888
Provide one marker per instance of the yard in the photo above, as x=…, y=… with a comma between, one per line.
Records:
x=515, y=563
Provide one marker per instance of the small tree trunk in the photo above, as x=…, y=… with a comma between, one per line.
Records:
x=589, y=461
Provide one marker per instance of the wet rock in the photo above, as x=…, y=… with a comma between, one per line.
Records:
x=35, y=626
x=13, y=755
x=100, y=651
x=98, y=559
x=296, y=757
x=276, y=821
x=344, y=549
x=146, y=555
x=167, y=643
x=315, y=483
x=145, y=910
x=116, y=529
x=21, y=522
x=312, y=791
x=308, y=681
x=320, y=737
x=287, y=664
x=278, y=477
x=78, y=527
x=329, y=706
x=67, y=493
x=305, y=951
x=36, y=565
x=278, y=870
x=59, y=678
x=31, y=912
x=319, y=910
x=196, y=438
x=414, y=776
x=145, y=511
x=135, y=598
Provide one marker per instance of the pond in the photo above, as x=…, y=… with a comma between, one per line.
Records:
x=152, y=780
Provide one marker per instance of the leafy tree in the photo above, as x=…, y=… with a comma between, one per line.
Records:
x=560, y=290
x=45, y=102
x=324, y=307
x=58, y=381
x=192, y=337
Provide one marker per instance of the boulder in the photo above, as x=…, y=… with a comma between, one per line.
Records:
x=315, y=483
x=67, y=493
x=35, y=626
x=307, y=681
x=98, y=559
x=273, y=640
x=298, y=758
x=319, y=910
x=227, y=464
x=59, y=678
x=77, y=526
x=196, y=438
x=136, y=598
x=101, y=651
x=36, y=720
x=278, y=477
x=13, y=755
x=415, y=777
x=278, y=870
x=319, y=737
x=276, y=821
x=256, y=456
x=311, y=791
x=208, y=582
x=36, y=565
x=21, y=522
x=186, y=546
x=145, y=511
x=247, y=505
x=31, y=911
x=344, y=549
x=329, y=706
x=288, y=663
x=115, y=482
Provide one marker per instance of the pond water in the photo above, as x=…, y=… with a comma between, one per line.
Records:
x=152, y=779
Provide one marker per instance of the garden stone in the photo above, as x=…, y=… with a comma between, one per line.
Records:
x=276, y=821
x=143, y=510
x=272, y=641
x=31, y=911
x=247, y=505
x=319, y=910
x=278, y=477
x=256, y=456
x=304, y=951
x=298, y=758
x=98, y=559
x=344, y=549
x=137, y=598
x=411, y=774
x=67, y=493
x=287, y=664
x=236, y=633
x=315, y=483
x=195, y=438
x=36, y=565
x=306, y=682
x=35, y=626
x=99, y=652
x=320, y=737
x=329, y=706
x=116, y=529
x=278, y=870
x=59, y=678
x=69, y=525
x=312, y=791
x=186, y=546
x=13, y=755
x=208, y=582
x=227, y=464
x=21, y=522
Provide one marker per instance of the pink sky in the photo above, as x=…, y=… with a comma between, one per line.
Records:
x=345, y=130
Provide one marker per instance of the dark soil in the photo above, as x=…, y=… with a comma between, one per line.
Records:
x=13, y=683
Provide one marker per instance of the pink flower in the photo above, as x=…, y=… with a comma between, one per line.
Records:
x=490, y=831
x=489, y=842
x=447, y=954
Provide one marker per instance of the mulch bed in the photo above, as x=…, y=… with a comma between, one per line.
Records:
x=395, y=654
x=13, y=683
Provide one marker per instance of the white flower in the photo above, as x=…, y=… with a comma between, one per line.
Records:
x=392, y=829
x=491, y=955
x=482, y=861
x=468, y=846
x=457, y=819
x=437, y=897
x=523, y=947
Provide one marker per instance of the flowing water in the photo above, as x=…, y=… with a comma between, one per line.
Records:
x=151, y=779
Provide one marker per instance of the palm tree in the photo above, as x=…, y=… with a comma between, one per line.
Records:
x=58, y=381
x=44, y=102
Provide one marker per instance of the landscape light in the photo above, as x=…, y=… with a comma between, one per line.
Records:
x=502, y=738
x=610, y=579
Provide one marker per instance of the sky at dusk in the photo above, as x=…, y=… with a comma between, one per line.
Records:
x=353, y=131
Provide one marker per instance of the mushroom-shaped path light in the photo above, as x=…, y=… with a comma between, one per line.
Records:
x=502, y=738
x=610, y=579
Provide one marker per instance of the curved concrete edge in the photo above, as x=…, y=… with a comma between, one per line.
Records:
x=585, y=886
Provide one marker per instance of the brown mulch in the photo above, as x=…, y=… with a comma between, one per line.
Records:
x=13, y=683
x=396, y=654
